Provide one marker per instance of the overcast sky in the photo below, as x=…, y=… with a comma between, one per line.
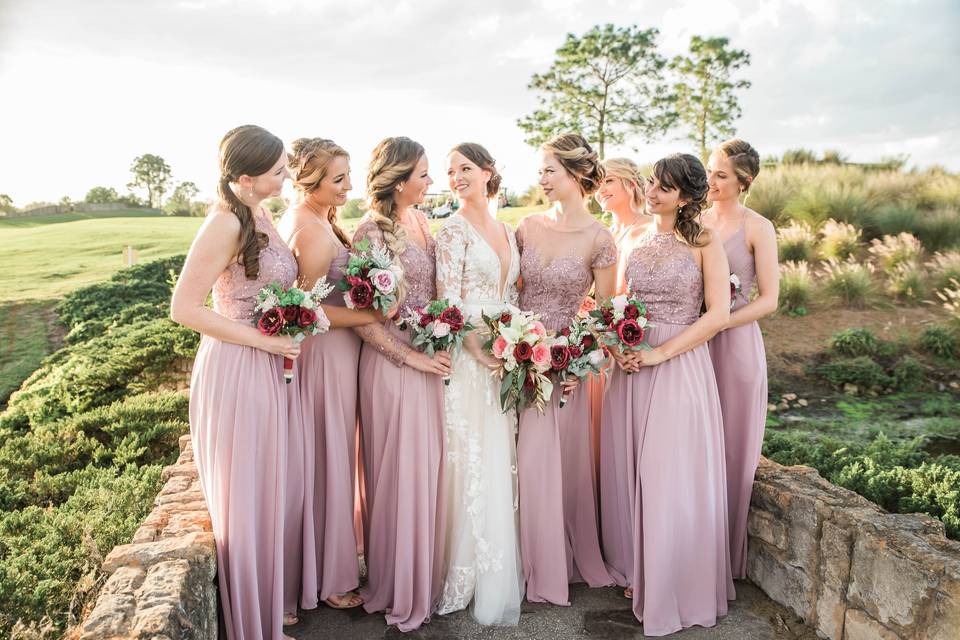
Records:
x=85, y=86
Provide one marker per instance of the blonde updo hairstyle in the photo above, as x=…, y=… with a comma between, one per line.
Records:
x=579, y=159
x=745, y=161
x=685, y=173
x=308, y=162
x=629, y=174
x=247, y=150
x=479, y=156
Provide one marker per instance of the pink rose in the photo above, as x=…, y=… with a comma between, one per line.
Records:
x=541, y=356
x=383, y=280
x=538, y=329
x=499, y=346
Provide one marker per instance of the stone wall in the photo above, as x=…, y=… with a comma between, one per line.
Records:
x=162, y=584
x=845, y=566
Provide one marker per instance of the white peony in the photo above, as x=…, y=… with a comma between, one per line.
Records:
x=619, y=303
x=440, y=329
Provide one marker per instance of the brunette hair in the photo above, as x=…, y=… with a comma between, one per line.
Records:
x=576, y=155
x=685, y=173
x=629, y=173
x=248, y=150
x=745, y=161
x=308, y=161
x=479, y=156
x=392, y=162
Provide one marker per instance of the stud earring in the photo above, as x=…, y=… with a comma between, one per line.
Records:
x=400, y=188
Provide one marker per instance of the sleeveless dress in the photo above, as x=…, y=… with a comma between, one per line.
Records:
x=558, y=504
x=483, y=552
x=240, y=424
x=329, y=364
x=740, y=363
x=664, y=492
x=402, y=431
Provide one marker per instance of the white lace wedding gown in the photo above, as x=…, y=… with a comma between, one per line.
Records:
x=482, y=559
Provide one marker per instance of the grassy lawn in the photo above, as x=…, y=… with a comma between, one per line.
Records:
x=25, y=339
x=44, y=258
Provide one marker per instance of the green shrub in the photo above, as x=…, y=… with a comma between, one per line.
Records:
x=796, y=287
x=855, y=342
x=909, y=375
x=944, y=267
x=796, y=241
x=939, y=230
x=849, y=282
x=891, y=220
x=861, y=371
x=85, y=330
x=907, y=282
x=940, y=342
x=831, y=200
x=950, y=295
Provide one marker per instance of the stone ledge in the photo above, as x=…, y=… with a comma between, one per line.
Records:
x=162, y=584
x=847, y=567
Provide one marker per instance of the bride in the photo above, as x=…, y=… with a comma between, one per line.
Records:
x=477, y=267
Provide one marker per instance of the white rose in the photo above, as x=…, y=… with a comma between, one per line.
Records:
x=619, y=303
x=440, y=329
x=596, y=358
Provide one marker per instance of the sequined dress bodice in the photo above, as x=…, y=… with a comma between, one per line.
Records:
x=234, y=295
x=662, y=273
x=419, y=265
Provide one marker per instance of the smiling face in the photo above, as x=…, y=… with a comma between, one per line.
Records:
x=722, y=178
x=415, y=187
x=660, y=199
x=266, y=185
x=556, y=181
x=335, y=184
x=465, y=178
x=612, y=194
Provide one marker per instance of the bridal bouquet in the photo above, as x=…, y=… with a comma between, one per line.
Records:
x=520, y=344
x=735, y=289
x=439, y=326
x=576, y=351
x=623, y=322
x=292, y=312
x=371, y=279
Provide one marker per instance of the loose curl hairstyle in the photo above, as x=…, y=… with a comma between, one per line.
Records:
x=745, y=161
x=629, y=174
x=248, y=150
x=308, y=162
x=479, y=156
x=579, y=159
x=685, y=173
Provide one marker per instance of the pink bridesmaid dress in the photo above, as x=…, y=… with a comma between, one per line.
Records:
x=559, y=541
x=240, y=423
x=740, y=363
x=402, y=449
x=328, y=393
x=663, y=498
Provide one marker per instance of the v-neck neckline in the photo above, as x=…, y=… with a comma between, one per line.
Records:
x=502, y=276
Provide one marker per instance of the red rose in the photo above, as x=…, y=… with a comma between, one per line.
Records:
x=575, y=351
x=271, y=322
x=607, y=316
x=631, y=334
x=453, y=317
x=522, y=352
x=307, y=317
x=361, y=292
x=505, y=318
x=291, y=313
x=426, y=319
x=733, y=291
x=587, y=342
x=559, y=357
x=565, y=331
x=630, y=312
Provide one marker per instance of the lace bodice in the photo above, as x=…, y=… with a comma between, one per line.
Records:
x=662, y=272
x=419, y=270
x=741, y=263
x=557, y=267
x=468, y=268
x=234, y=296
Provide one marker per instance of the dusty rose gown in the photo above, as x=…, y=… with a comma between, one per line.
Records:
x=240, y=425
x=559, y=540
x=402, y=443
x=740, y=363
x=663, y=498
x=328, y=389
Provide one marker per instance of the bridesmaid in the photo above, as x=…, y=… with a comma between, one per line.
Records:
x=238, y=400
x=401, y=405
x=739, y=359
x=668, y=538
x=328, y=376
x=562, y=254
x=621, y=195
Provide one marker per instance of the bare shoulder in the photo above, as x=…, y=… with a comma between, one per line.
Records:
x=758, y=222
x=221, y=222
